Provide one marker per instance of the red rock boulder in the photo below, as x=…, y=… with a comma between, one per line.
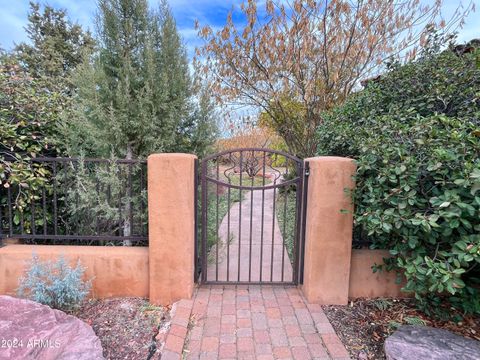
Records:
x=29, y=330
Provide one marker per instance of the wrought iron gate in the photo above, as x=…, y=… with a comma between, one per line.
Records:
x=251, y=222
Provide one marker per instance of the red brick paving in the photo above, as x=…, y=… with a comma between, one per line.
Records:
x=254, y=322
x=177, y=334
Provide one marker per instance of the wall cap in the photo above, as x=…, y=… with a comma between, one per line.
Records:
x=70, y=249
x=329, y=159
x=172, y=156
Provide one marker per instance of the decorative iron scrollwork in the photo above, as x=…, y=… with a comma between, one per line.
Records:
x=243, y=165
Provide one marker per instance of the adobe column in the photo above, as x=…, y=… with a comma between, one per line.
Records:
x=328, y=233
x=171, y=227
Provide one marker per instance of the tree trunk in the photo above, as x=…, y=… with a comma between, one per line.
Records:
x=127, y=226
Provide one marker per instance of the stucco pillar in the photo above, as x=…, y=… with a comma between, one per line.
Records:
x=171, y=227
x=328, y=233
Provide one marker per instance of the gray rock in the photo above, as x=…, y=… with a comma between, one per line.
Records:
x=29, y=330
x=423, y=342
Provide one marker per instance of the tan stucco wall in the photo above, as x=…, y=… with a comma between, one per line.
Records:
x=171, y=225
x=116, y=271
x=328, y=234
x=365, y=283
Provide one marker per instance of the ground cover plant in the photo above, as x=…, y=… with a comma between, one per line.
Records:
x=364, y=324
x=415, y=133
x=54, y=283
x=286, y=210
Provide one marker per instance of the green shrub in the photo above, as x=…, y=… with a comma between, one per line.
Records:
x=416, y=136
x=55, y=284
x=105, y=198
x=29, y=115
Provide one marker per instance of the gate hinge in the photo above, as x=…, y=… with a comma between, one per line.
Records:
x=307, y=169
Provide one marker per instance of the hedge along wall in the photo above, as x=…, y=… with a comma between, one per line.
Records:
x=116, y=271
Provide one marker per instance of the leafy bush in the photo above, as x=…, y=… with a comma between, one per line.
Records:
x=55, y=284
x=415, y=134
x=29, y=115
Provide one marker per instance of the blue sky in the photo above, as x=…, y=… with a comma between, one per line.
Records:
x=212, y=12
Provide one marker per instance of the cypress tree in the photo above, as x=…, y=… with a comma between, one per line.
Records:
x=57, y=45
x=135, y=95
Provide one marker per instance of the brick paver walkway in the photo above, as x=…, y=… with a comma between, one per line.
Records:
x=246, y=321
x=228, y=322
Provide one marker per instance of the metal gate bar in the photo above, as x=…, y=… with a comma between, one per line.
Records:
x=225, y=179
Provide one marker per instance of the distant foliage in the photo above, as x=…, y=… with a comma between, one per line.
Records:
x=292, y=60
x=56, y=45
x=246, y=135
x=415, y=133
x=55, y=284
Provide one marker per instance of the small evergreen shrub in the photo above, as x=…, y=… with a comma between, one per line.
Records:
x=55, y=284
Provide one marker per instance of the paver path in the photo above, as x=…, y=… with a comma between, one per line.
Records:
x=257, y=322
x=250, y=321
x=249, y=257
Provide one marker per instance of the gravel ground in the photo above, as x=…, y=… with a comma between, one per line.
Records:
x=363, y=325
x=127, y=327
